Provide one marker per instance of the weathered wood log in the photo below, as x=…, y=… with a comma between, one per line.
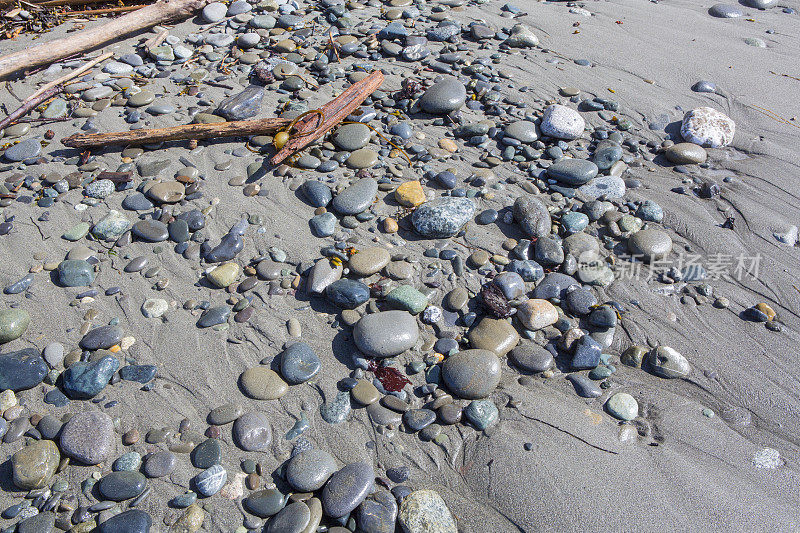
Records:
x=238, y=128
x=46, y=53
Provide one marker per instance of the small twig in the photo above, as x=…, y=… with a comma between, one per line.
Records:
x=333, y=46
x=40, y=229
x=156, y=40
x=784, y=75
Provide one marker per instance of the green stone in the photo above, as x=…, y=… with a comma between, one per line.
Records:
x=13, y=323
x=35, y=464
x=77, y=232
x=56, y=109
x=623, y=406
x=408, y=298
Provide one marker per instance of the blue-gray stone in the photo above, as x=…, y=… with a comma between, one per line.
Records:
x=151, y=230
x=102, y=338
x=323, y=225
x=22, y=370
x=532, y=216
x=309, y=470
x=418, y=419
x=299, y=363
x=726, y=11
x=84, y=379
x=130, y=521
x=606, y=154
x=378, y=513
x=178, y=230
x=481, y=413
x=26, y=149
x=138, y=373
x=585, y=387
x=291, y=519
x=207, y=454
x=347, y=293
x=580, y=301
x=210, y=481
x=336, y=410
x=574, y=221
x=120, y=486
x=703, y=86
x=573, y=172
x=137, y=202
x=356, y=197
x=244, y=105
x=317, y=193
x=446, y=179
x=443, y=217
x=444, y=96
x=19, y=286
x=444, y=31
x=230, y=245
x=347, y=488
x=160, y=464
x=531, y=357
x=265, y=503
x=214, y=316
x=650, y=211
x=587, y=354
x=402, y=130
x=393, y=30
x=75, y=273
x=127, y=462
x=554, y=285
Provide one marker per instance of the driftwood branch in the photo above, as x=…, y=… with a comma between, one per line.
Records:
x=46, y=53
x=238, y=128
x=49, y=90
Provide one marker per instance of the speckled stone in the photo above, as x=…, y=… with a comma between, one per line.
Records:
x=88, y=437
x=708, y=127
x=443, y=217
x=562, y=122
x=351, y=137
x=21, y=369
x=75, y=273
x=378, y=513
x=291, y=519
x=424, y=511
x=650, y=244
x=369, y=261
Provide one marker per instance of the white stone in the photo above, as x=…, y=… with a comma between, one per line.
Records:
x=708, y=127
x=562, y=122
x=154, y=307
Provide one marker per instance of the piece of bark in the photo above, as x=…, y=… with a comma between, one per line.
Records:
x=159, y=12
x=238, y=128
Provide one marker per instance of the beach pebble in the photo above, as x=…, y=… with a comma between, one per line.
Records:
x=562, y=122
x=726, y=11
x=262, y=383
x=444, y=96
x=13, y=324
x=34, y=465
x=686, y=154
x=309, y=470
x=481, y=413
x=252, y=432
x=121, y=485
x=291, y=519
x=707, y=127
x=347, y=488
x=88, y=437
x=650, y=244
x=668, y=363
x=299, y=363
x=443, y=217
x=130, y=521
x=521, y=36
x=531, y=357
x=622, y=406
x=472, y=374
x=386, y=334
x=424, y=511
x=26, y=149
x=265, y=503
x=378, y=513
x=356, y=197
x=210, y=480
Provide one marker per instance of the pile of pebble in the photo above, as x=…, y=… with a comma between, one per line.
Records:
x=439, y=312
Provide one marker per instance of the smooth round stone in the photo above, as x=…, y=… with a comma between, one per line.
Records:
x=13, y=323
x=26, y=149
x=725, y=11
x=585, y=387
x=347, y=488
x=261, y=383
x=355, y=198
x=650, y=244
x=137, y=202
x=481, y=413
x=623, y=406
x=573, y=172
x=121, y=486
x=111, y=226
x=53, y=353
x=265, y=503
x=707, y=127
x=606, y=186
x=347, y=293
x=562, y=122
x=130, y=521
x=323, y=225
x=456, y=299
x=151, y=230
x=444, y=96
x=472, y=374
x=34, y=465
x=606, y=154
x=309, y=470
x=224, y=414
x=365, y=392
x=418, y=419
x=214, y=316
x=424, y=511
x=521, y=36
x=442, y=218
x=88, y=437
x=580, y=301
x=291, y=519
x=351, y=137
x=76, y=232
x=522, y=130
x=510, y=283
x=362, y=158
x=86, y=379
x=574, y=221
x=532, y=216
x=141, y=99
x=102, y=338
x=75, y=273
x=127, y=462
x=154, y=307
x=667, y=363
x=531, y=357
x=382, y=416
x=167, y=192
x=224, y=275
x=317, y=193
x=299, y=363
x=210, y=480
x=160, y=464
x=536, y=314
x=369, y=261
x=686, y=154
x=207, y=454
x=378, y=513
x=386, y=334
x=496, y=335
x=252, y=432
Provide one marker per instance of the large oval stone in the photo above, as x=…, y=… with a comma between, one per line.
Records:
x=102, y=338
x=347, y=488
x=262, y=383
x=13, y=323
x=75, y=273
x=309, y=470
x=299, y=363
x=355, y=198
x=121, y=486
x=444, y=96
x=85, y=379
x=573, y=172
x=35, y=464
x=130, y=521
x=386, y=334
x=424, y=511
x=472, y=374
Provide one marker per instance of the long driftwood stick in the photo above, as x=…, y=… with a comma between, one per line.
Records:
x=238, y=128
x=334, y=112
x=104, y=11
x=46, y=53
x=49, y=90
